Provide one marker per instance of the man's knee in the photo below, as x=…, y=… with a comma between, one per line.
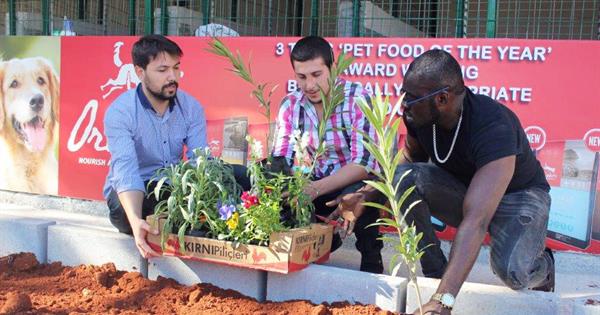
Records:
x=119, y=220
x=513, y=276
x=406, y=173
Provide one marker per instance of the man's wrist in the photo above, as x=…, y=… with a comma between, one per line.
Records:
x=316, y=190
x=446, y=300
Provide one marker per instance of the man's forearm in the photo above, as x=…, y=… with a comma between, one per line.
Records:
x=131, y=201
x=463, y=254
x=481, y=200
x=348, y=174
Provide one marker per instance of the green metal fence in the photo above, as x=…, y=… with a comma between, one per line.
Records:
x=544, y=19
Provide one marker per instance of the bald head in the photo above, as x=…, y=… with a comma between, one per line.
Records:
x=436, y=69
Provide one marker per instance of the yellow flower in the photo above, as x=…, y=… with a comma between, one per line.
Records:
x=233, y=221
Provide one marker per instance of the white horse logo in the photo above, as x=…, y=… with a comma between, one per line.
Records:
x=126, y=76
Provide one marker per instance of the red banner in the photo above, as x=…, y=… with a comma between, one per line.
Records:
x=551, y=85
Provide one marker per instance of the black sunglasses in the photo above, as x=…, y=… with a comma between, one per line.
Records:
x=408, y=104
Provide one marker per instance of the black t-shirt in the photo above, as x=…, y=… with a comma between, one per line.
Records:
x=489, y=131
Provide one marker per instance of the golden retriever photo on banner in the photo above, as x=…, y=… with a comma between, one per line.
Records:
x=29, y=107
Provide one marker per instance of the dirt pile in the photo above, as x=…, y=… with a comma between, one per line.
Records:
x=28, y=287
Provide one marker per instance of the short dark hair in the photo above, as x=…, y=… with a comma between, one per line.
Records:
x=149, y=46
x=437, y=67
x=312, y=47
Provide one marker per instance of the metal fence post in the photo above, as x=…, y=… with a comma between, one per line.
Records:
x=164, y=18
x=148, y=17
x=490, y=29
x=132, y=17
x=314, y=17
x=205, y=12
x=356, y=18
x=460, y=18
x=12, y=18
x=46, y=17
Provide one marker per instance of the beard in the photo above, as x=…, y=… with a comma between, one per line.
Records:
x=434, y=112
x=421, y=122
x=162, y=94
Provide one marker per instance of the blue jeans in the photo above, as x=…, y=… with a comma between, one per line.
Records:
x=517, y=230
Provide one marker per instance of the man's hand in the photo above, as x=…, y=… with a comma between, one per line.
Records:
x=433, y=308
x=350, y=207
x=140, y=229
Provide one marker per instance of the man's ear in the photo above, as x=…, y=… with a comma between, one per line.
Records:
x=2, y=115
x=139, y=72
x=444, y=98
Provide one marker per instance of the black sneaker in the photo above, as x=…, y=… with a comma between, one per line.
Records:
x=549, y=285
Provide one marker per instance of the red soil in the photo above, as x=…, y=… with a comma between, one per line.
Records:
x=27, y=287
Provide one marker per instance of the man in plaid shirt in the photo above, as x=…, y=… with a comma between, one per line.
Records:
x=343, y=167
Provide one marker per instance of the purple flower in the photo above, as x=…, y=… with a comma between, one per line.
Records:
x=225, y=211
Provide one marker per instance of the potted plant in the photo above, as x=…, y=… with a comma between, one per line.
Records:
x=204, y=199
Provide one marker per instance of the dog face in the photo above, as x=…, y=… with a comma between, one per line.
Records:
x=29, y=100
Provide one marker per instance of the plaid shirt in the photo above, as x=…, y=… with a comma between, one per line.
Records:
x=344, y=144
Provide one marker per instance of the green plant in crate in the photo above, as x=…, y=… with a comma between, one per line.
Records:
x=265, y=206
x=384, y=149
x=197, y=189
x=261, y=206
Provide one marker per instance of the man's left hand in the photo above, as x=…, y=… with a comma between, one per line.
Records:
x=433, y=308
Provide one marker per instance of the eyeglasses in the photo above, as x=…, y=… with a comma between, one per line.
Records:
x=409, y=103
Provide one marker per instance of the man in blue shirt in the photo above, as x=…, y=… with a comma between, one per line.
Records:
x=147, y=129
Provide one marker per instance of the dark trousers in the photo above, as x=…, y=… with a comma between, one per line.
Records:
x=367, y=242
x=517, y=229
x=117, y=214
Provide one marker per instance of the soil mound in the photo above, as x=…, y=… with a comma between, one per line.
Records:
x=32, y=288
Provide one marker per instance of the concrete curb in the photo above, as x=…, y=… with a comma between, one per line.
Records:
x=476, y=299
x=250, y=282
x=319, y=284
x=74, y=245
x=24, y=235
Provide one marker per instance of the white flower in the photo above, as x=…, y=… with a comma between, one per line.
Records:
x=301, y=141
x=296, y=134
x=299, y=153
x=305, y=140
x=257, y=150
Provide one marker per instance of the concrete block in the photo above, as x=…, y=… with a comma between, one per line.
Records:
x=24, y=235
x=249, y=282
x=74, y=245
x=94, y=207
x=581, y=305
x=476, y=299
x=319, y=283
x=60, y=217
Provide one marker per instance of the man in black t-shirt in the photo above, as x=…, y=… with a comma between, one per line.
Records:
x=484, y=178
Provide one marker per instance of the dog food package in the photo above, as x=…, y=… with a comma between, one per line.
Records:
x=287, y=252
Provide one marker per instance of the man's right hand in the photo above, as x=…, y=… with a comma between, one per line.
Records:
x=140, y=229
x=350, y=207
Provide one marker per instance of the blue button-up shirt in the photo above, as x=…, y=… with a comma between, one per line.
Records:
x=140, y=141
